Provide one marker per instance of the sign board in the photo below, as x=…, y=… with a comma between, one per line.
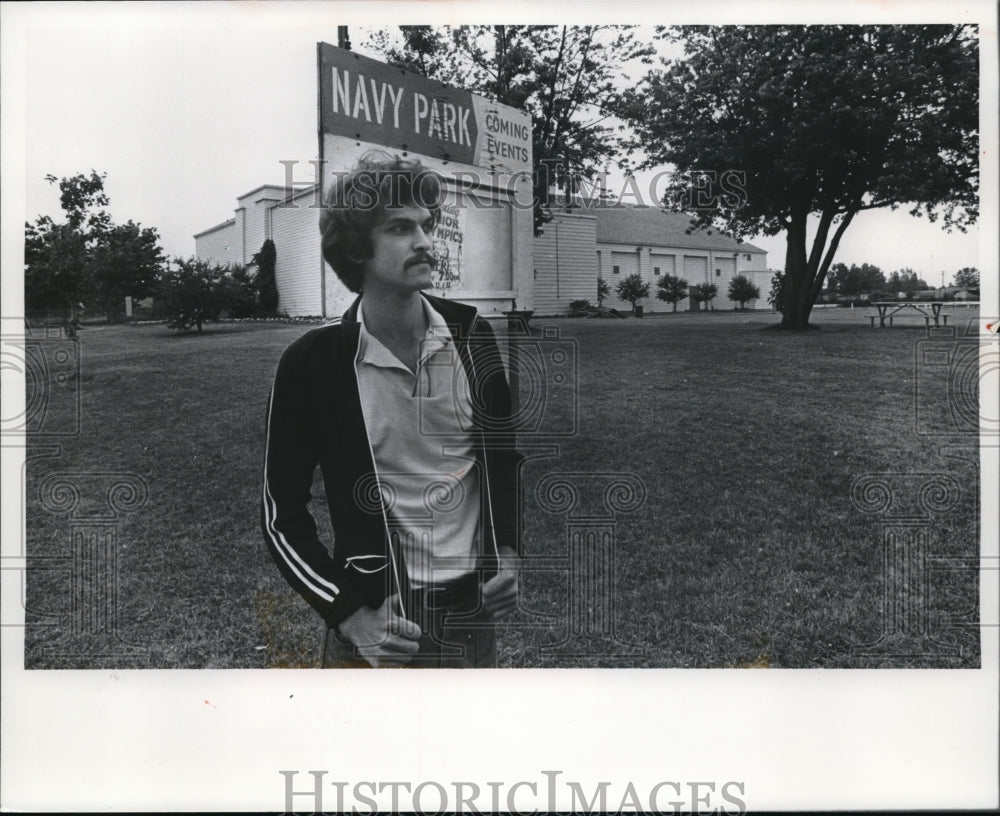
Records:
x=369, y=101
x=481, y=149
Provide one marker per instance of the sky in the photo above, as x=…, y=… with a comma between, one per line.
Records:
x=188, y=107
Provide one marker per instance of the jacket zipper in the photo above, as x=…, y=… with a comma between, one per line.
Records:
x=378, y=484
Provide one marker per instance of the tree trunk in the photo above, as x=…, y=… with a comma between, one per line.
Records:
x=804, y=276
x=796, y=308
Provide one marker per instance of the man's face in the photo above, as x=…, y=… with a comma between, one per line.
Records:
x=401, y=252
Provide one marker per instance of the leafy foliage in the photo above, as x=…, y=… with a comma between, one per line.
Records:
x=906, y=281
x=704, y=293
x=857, y=280
x=554, y=73
x=776, y=297
x=266, y=284
x=632, y=288
x=56, y=265
x=821, y=120
x=967, y=276
x=672, y=289
x=88, y=258
x=191, y=292
x=742, y=290
x=125, y=262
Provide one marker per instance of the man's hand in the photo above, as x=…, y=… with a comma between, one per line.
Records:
x=500, y=592
x=382, y=637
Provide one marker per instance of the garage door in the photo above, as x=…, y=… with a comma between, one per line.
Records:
x=696, y=268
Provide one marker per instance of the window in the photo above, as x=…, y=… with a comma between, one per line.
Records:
x=656, y=270
x=615, y=269
x=747, y=256
x=718, y=273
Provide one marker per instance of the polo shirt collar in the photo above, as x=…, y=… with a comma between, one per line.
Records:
x=372, y=351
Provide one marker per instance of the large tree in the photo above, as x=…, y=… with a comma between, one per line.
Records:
x=857, y=280
x=906, y=281
x=967, y=276
x=125, y=261
x=560, y=75
x=87, y=258
x=775, y=124
x=58, y=257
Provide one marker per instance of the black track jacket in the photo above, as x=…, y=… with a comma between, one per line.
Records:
x=315, y=417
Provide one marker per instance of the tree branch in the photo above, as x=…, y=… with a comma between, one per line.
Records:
x=831, y=251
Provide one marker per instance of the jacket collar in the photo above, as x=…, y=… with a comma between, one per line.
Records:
x=458, y=316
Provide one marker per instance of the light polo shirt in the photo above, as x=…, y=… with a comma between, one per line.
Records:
x=413, y=418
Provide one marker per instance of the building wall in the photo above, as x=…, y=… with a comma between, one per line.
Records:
x=565, y=264
x=219, y=245
x=298, y=260
x=756, y=261
x=257, y=207
x=762, y=280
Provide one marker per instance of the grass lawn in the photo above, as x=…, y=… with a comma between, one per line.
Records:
x=748, y=549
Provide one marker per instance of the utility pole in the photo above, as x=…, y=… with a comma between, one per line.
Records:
x=343, y=40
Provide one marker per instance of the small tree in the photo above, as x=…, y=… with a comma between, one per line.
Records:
x=264, y=281
x=672, y=289
x=191, y=292
x=742, y=289
x=633, y=289
x=777, y=296
x=704, y=293
x=237, y=292
x=603, y=291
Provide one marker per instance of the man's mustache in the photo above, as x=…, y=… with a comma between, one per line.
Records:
x=423, y=258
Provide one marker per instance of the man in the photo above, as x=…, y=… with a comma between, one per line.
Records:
x=404, y=405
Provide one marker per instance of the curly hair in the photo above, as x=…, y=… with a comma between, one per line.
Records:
x=357, y=203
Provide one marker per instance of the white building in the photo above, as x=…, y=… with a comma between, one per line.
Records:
x=613, y=242
x=293, y=225
x=574, y=249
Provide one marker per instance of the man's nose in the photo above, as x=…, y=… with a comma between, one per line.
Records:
x=421, y=239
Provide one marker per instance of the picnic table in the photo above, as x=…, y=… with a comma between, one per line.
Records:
x=922, y=307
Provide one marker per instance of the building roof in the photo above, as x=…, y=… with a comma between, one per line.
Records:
x=224, y=224
x=652, y=226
